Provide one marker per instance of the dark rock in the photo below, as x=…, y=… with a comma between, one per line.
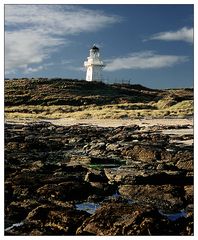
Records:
x=144, y=176
x=103, y=189
x=8, y=193
x=95, y=198
x=143, y=153
x=27, y=178
x=65, y=191
x=185, y=164
x=104, y=160
x=175, y=154
x=121, y=219
x=99, y=182
x=39, y=213
x=80, y=160
x=18, y=211
x=166, y=166
x=113, y=147
x=95, y=152
x=48, y=165
x=22, y=192
x=164, y=197
x=189, y=194
x=96, y=176
x=50, y=220
x=37, y=165
x=98, y=145
x=11, y=146
x=164, y=177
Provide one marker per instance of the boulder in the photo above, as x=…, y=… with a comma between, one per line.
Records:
x=164, y=197
x=18, y=211
x=189, y=193
x=113, y=147
x=50, y=220
x=65, y=191
x=145, y=176
x=118, y=219
x=99, y=182
x=185, y=164
x=143, y=153
x=94, y=175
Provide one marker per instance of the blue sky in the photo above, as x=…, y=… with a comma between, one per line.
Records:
x=150, y=45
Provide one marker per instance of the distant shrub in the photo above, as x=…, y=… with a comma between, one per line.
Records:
x=165, y=103
x=187, y=104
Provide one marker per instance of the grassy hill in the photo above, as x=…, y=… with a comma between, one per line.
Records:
x=56, y=98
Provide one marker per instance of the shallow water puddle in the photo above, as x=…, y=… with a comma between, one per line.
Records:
x=174, y=216
x=89, y=207
x=14, y=225
x=102, y=166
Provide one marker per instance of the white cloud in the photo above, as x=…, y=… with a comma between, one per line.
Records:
x=183, y=34
x=33, y=32
x=56, y=19
x=33, y=69
x=25, y=47
x=144, y=60
x=38, y=68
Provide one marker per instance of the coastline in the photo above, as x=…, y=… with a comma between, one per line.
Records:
x=110, y=122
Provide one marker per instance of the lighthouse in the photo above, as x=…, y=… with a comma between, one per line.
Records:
x=94, y=65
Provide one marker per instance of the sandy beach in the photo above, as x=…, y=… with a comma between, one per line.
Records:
x=122, y=122
x=109, y=122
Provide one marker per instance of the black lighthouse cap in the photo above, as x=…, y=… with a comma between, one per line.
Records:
x=95, y=48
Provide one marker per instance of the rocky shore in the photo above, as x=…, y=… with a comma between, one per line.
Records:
x=93, y=180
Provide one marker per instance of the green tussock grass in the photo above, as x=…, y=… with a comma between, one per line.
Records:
x=64, y=98
x=116, y=111
x=187, y=104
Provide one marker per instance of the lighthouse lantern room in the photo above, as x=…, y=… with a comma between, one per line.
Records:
x=94, y=65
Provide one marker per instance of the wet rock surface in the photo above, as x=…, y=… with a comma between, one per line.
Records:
x=121, y=219
x=135, y=178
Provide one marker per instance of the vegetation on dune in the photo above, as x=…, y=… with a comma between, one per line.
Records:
x=62, y=98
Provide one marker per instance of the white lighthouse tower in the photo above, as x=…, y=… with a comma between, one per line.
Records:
x=94, y=65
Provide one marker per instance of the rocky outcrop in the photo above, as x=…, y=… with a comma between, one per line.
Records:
x=65, y=191
x=135, y=177
x=48, y=219
x=120, y=219
x=150, y=176
x=165, y=197
x=143, y=153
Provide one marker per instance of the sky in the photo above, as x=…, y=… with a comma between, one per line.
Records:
x=150, y=44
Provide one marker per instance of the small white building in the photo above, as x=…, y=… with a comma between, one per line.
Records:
x=94, y=65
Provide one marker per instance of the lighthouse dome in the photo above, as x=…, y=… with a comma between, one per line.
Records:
x=95, y=48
